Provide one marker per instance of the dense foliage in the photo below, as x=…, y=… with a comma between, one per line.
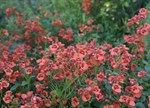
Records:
x=59, y=54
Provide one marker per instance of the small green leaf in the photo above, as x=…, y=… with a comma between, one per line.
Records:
x=147, y=68
x=24, y=83
x=148, y=75
x=108, y=87
x=140, y=105
x=145, y=62
x=15, y=86
x=148, y=55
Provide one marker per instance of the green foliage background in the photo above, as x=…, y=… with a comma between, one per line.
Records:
x=110, y=15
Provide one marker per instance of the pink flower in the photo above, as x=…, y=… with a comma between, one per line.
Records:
x=7, y=99
x=5, y=84
x=116, y=88
x=74, y=101
x=100, y=76
x=5, y=32
x=142, y=74
x=144, y=31
x=40, y=76
x=8, y=71
x=29, y=70
x=86, y=96
x=115, y=51
x=98, y=96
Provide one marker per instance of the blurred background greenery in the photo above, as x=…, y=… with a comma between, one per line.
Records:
x=110, y=15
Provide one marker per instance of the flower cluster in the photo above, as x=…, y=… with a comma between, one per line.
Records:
x=66, y=34
x=44, y=72
x=86, y=6
x=88, y=28
x=136, y=19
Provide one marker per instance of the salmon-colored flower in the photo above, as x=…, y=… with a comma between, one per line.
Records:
x=7, y=99
x=132, y=81
x=136, y=90
x=86, y=96
x=80, y=91
x=115, y=51
x=58, y=76
x=144, y=31
x=131, y=101
x=100, y=76
x=143, y=11
x=53, y=48
x=23, y=96
x=116, y=88
x=5, y=54
x=135, y=19
x=116, y=104
x=70, y=32
x=46, y=14
x=82, y=53
x=39, y=87
x=57, y=23
x=68, y=75
x=120, y=78
x=86, y=5
x=83, y=66
x=74, y=101
x=130, y=23
x=5, y=32
x=5, y=84
x=100, y=55
x=133, y=67
x=125, y=62
x=29, y=93
x=89, y=81
x=96, y=89
x=99, y=96
x=8, y=71
x=128, y=89
x=8, y=92
x=40, y=76
x=142, y=74
x=12, y=78
x=128, y=39
x=128, y=100
x=147, y=26
x=29, y=70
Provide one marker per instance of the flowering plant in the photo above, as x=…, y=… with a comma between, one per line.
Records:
x=38, y=70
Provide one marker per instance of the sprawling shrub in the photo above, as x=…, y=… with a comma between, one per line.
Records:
x=87, y=18
x=42, y=64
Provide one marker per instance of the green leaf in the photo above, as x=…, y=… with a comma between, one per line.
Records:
x=140, y=105
x=108, y=87
x=83, y=17
x=147, y=68
x=24, y=83
x=148, y=55
x=145, y=62
x=15, y=86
